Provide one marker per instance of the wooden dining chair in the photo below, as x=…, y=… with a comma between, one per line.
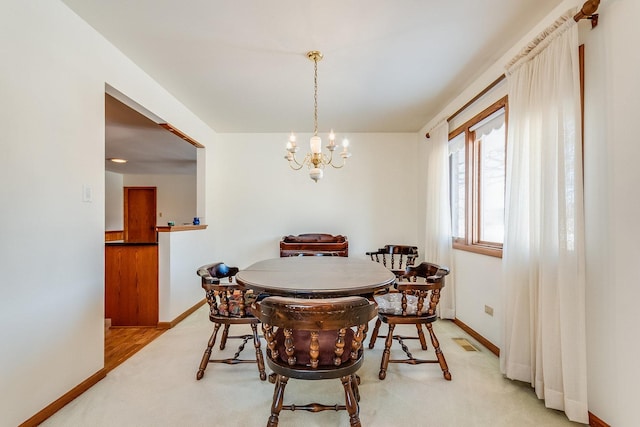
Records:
x=414, y=302
x=395, y=257
x=229, y=304
x=315, y=339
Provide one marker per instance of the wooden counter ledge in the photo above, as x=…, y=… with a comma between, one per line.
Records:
x=171, y=228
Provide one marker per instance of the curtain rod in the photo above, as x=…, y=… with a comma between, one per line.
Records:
x=586, y=12
x=472, y=100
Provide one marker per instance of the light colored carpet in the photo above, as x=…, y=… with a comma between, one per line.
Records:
x=157, y=387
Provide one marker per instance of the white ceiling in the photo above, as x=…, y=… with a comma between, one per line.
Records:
x=148, y=148
x=241, y=66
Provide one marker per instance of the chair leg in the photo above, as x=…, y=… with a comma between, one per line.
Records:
x=259, y=357
x=207, y=352
x=374, y=334
x=439, y=354
x=350, y=400
x=355, y=381
x=223, y=338
x=278, y=396
x=423, y=341
x=386, y=353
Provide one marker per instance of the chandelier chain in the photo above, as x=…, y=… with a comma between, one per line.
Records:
x=315, y=97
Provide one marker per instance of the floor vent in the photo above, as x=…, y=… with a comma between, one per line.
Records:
x=462, y=342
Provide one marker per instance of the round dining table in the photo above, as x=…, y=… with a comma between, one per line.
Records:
x=316, y=277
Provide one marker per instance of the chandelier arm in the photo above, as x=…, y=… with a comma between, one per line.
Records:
x=294, y=160
x=296, y=168
x=330, y=161
x=344, y=162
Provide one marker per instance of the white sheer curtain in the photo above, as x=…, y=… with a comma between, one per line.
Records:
x=544, y=332
x=437, y=248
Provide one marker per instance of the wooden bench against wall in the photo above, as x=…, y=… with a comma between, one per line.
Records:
x=314, y=243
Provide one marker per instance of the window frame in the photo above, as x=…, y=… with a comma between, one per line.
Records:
x=471, y=240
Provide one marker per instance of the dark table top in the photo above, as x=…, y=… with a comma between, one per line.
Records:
x=316, y=276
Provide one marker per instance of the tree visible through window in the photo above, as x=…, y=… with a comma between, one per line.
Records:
x=477, y=171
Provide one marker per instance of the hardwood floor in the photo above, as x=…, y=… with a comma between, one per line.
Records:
x=121, y=343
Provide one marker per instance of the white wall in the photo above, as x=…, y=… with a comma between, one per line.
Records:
x=612, y=203
x=478, y=281
x=254, y=198
x=53, y=80
x=53, y=83
x=113, y=201
x=54, y=71
x=176, y=196
x=179, y=256
x=612, y=102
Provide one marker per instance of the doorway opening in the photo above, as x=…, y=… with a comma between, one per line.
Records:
x=159, y=158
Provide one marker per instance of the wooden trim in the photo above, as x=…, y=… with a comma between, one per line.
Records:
x=180, y=318
x=471, y=240
x=478, y=249
x=111, y=235
x=482, y=340
x=472, y=100
x=491, y=109
x=596, y=422
x=181, y=135
x=478, y=96
x=58, y=404
x=170, y=228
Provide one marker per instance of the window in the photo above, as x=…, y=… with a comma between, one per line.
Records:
x=477, y=165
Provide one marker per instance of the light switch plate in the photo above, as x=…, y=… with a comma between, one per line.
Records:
x=87, y=193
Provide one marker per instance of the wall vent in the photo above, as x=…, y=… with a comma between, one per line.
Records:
x=466, y=345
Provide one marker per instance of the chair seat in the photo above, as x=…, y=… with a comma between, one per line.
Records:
x=391, y=303
x=233, y=308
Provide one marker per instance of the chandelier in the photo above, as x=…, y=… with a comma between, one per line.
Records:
x=316, y=160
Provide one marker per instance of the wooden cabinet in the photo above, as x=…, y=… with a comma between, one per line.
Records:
x=314, y=244
x=131, y=284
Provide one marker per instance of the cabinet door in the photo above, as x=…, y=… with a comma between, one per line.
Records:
x=131, y=285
